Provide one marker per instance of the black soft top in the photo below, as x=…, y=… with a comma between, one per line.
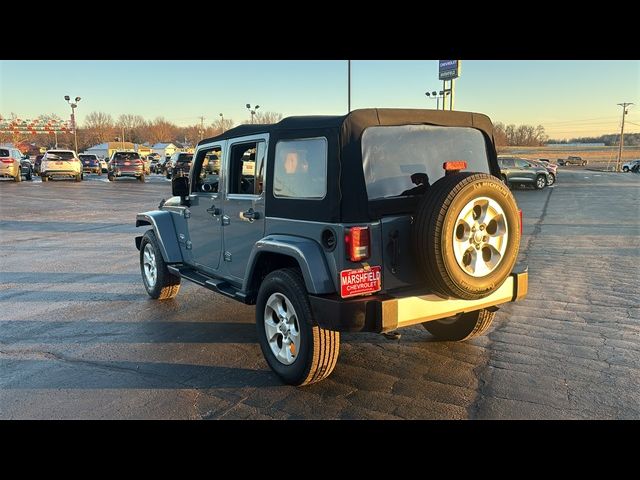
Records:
x=346, y=198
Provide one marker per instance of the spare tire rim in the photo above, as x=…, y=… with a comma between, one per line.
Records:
x=282, y=328
x=480, y=236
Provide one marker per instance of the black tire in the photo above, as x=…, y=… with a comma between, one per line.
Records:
x=435, y=227
x=462, y=326
x=167, y=284
x=319, y=348
x=29, y=176
x=625, y=169
x=111, y=178
x=541, y=182
x=551, y=180
x=78, y=178
x=505, y=181
x=141, y=178
x=44, y=178
x=18, y=178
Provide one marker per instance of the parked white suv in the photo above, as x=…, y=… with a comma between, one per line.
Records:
x=61, y=163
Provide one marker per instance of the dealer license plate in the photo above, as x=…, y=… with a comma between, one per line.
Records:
x=360, y=281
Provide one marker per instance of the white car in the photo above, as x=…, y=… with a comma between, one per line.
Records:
x=103, y=165
x=61, y=163
x=626, y=167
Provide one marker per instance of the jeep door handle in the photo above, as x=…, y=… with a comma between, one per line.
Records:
x=212, y=210
x=251, y=215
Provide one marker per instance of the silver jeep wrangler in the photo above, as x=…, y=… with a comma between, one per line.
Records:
x=365, y=222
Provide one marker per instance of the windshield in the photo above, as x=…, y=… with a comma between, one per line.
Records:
x=405, y=160
x=63, y=155
x=88, y=157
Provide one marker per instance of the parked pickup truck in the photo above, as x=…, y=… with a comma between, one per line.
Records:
x=572, y=161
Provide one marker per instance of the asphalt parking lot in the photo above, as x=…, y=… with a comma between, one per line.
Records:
x=80, y=338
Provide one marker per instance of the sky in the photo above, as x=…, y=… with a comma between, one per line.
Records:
x=569, y=98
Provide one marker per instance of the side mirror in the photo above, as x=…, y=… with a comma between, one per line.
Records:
x=180, y=186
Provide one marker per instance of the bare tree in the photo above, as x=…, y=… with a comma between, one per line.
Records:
x=99, y=127
x=161, y=130
x=133, y=126
x=265, y=118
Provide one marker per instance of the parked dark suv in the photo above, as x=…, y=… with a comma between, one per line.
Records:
x=514, y=171
x=179, y=164
x=125, y=164
x=366, y=222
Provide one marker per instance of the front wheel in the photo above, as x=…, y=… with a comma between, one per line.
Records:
x=159, y=282
x=462, y=326
x=625, y=169
x=541, y=182
x=297, y=350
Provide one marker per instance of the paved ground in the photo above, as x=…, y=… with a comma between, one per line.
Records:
x=79, y=338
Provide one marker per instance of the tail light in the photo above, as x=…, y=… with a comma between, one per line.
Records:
x=520, y=218
x=357, y=243
x=6, y=160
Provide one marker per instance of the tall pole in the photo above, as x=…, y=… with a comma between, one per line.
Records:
x=56, y=134
x=438, y=102
x=451, y=93
x=348, y=86
x=222, y=122
x=75, y=131
x=122, y=137
x=624, y=112
x=201, y=128
x=444, y=97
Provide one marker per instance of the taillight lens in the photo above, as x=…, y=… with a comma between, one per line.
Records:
x=357, y=243
x=520, y=218
x=454, y=166
x=6, y=160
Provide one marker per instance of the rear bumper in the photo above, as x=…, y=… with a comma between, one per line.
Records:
x=383, y=313
x=127, y=173
x=92, y=169
x=9, y=171
x=60, y=173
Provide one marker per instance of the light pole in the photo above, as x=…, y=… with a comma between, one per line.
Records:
x=252, y=110
x=221, y=122
x=437, y=96
x=74, y=105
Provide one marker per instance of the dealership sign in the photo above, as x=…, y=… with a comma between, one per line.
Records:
x=448, y=69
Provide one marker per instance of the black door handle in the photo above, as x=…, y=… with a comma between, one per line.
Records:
x=213, y=210
x=251, y=215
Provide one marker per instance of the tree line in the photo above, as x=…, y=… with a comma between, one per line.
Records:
x=521, y=136
x=100, y=127
x=610, y=139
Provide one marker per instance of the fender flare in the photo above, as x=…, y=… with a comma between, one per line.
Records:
x=165, y=231
x=307, y=253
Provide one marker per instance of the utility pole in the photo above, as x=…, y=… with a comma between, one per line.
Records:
x=624, y=112
x=201, y=127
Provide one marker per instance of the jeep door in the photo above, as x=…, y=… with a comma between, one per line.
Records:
x=205, y=220
x=243, y=209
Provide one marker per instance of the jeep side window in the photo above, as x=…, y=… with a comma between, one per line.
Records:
x=206, y=171
x=246, y=168
x=301, y=168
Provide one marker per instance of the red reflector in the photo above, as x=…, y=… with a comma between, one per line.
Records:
x=520, y=218
x=448, y=166
x=6, y=160
x=357, y=243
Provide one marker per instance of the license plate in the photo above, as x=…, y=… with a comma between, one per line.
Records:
x=58, y=163
x=360, y=281
x=87, y=162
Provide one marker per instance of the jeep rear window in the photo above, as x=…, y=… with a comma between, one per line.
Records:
x=405, y=160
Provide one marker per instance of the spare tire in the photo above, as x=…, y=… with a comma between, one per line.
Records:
x=466, y=235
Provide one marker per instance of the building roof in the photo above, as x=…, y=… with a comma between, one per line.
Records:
x=163, y=145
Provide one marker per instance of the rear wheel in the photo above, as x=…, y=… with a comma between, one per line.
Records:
x=462, y=326
x=78, y=178
x=541, y=182
x=625, y=169
x=141, y=178
x=158, y=281
x=110, y=177
x=295, y=347
x=18, y=177
x=44, y=178
x=551, y=180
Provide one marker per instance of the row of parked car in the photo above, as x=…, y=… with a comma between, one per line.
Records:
x=60, y=163
x=540, y=173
